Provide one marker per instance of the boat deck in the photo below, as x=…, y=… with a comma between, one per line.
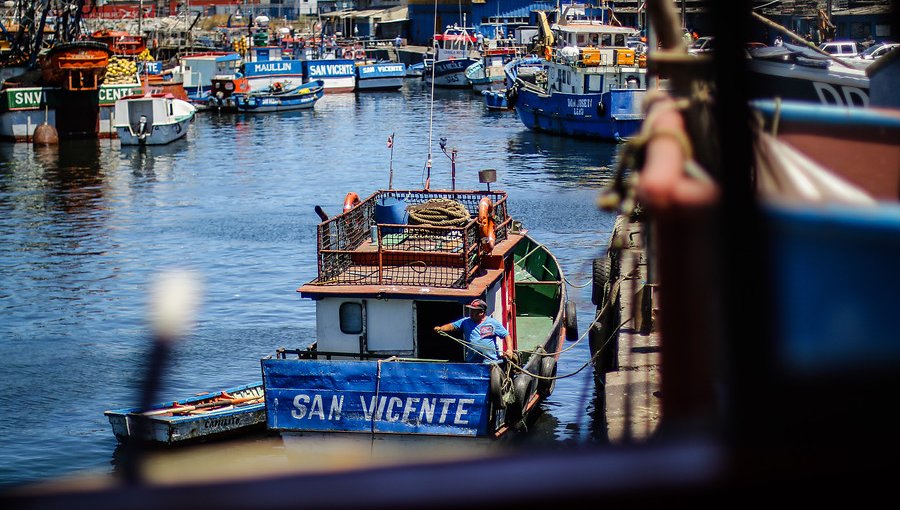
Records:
x=402, y=274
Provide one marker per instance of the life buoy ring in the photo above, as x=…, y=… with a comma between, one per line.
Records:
x=348, y=53
x=486, y=224
x=360, y=55
x=351, y=201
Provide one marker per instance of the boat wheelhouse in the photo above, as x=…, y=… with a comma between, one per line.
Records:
x=386, y=278
x=593, y=86
x=196, y=72
x=451, y=58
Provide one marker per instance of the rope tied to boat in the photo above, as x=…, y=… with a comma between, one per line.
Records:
x=510, y=364
x=439, y=212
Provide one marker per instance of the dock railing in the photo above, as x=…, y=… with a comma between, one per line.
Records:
x=353, y=249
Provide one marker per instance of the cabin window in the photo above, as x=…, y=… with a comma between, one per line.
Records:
x=620, y=40
x=605, y=39
x=351, y=318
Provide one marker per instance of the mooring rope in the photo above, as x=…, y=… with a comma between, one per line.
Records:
x=591, y=361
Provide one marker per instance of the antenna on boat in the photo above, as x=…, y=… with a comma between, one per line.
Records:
x=452, y=157
x=431, y=114
x=390, y=144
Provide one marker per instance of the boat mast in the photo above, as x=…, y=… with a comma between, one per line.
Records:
x=431, y=112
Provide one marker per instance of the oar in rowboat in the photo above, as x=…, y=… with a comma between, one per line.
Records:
x=215, y=403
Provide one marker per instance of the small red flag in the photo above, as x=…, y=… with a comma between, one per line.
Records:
x=390, y=141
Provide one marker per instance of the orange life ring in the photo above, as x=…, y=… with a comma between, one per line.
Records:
x=360, y=55
x=351, y=201
x=486, y=224
x=348, y=53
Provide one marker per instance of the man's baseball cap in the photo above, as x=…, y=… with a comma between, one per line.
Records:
x=477, y=304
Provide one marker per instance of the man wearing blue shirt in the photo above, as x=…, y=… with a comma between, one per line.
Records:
x=483, y=334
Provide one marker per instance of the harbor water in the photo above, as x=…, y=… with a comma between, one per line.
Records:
x=85, y=226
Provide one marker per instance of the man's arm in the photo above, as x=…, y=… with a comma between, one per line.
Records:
x=446, y=327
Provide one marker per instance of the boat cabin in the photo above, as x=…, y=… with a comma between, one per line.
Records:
x=454, y=43
x=592, y=57
x=198, y=70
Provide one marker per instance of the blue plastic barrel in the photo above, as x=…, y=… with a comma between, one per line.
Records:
x=391, y=210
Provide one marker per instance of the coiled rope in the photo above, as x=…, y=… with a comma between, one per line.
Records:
x=439, y=212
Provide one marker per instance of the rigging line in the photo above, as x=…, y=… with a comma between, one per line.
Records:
x=538, y=376
x=431, y=112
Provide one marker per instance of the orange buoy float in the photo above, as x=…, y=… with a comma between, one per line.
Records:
x=486, y=224
x=351, y=201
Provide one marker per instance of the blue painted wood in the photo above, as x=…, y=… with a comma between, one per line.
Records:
x=361, y=396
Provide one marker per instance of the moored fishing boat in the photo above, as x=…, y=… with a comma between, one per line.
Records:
x=593, y=86
x=152, y=119
x=281, y=97
x=76, y=66
x=495, y=99
x=488, y=72
x=377, y=365
x=338, y=75
x=207, y=416
x=265, y=67
x=196, y=71
x=380, y=76
x=452, y=58
x=798, y=73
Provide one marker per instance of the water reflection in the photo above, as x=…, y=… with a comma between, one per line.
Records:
x=151, y=161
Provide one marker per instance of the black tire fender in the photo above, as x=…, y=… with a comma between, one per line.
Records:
x=496, y=386
x=521, y=390
x=571, y=321
x=548, y=369
x=602, y=269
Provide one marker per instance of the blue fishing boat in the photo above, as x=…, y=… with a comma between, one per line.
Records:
x=281, y=97
x=495, y=99
x=380, y=76
x=206, y=416
x=593, y=85
x=389, y=273
x=416, y=70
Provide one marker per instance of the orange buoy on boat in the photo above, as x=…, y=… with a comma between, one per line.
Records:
x=486, y=224
x=351, y=201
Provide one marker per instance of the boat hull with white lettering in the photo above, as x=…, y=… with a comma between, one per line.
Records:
x=339, y=75
x=387, y=277
x=380, y=76
x=24, y=108
x=206, y=416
